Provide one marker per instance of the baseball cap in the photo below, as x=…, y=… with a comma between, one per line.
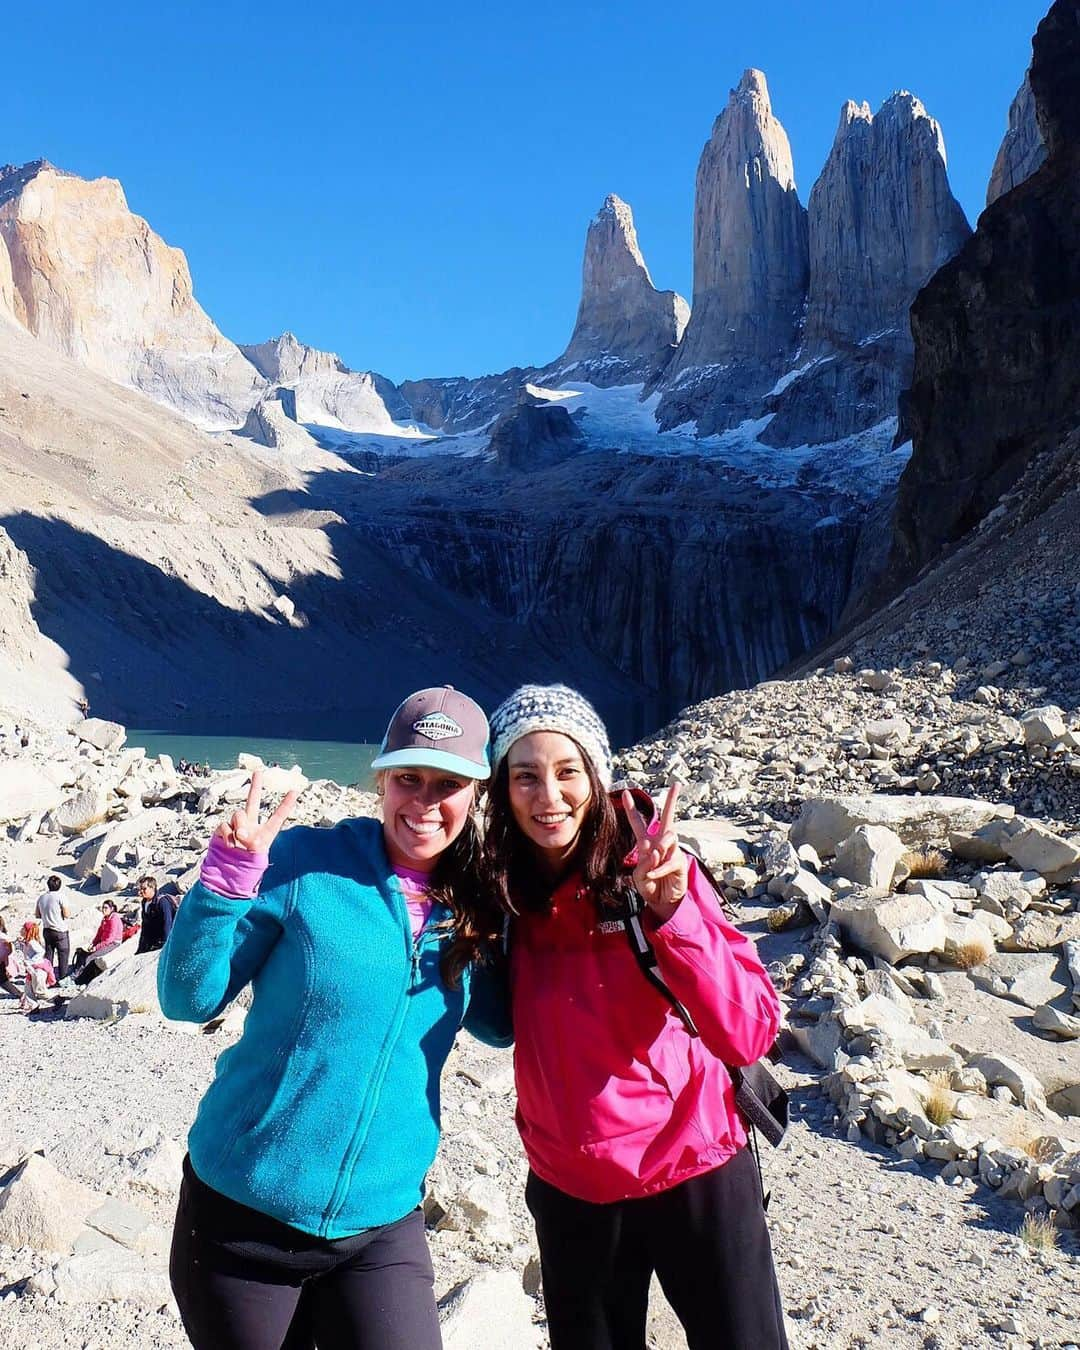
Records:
x=437, y=729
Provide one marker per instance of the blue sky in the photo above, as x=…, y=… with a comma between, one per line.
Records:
x=412, y=189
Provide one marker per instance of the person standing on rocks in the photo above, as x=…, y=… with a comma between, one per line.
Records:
x=52, y=910
x=298, y=1221
x=109, y=935
x=638, y=1158
x=156, y=916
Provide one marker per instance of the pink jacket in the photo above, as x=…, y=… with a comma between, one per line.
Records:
x=110, y=930
x=615, y=1099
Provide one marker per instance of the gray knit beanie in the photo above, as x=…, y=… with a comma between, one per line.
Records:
x=550, y=707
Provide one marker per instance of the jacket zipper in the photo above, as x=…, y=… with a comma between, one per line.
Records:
x=355, y=1149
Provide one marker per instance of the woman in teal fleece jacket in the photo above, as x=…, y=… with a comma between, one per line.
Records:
x=298, y=1222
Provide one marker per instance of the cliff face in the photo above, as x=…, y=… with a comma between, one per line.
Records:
x=997, y=331
x=626, y=330
x=750, y=267
x=750, y=247
x=679, y=574
x=802, y=316
x=93, y=281
x=1022, y=150
x=882, y=220
x=324, y=390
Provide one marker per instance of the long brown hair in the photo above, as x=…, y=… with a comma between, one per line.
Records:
x=510, y=867
x=476, y=920
x=455, y=881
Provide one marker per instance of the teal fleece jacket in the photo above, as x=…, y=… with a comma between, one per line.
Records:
x=325, y=1114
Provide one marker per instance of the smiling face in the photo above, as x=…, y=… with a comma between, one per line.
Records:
x=549, y=792
x=424, y=811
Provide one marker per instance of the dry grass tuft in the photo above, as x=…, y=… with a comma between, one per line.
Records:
x=940, y=1102
x=1039, y=1233
x=925, y=863
x=791, y=914
x=968, y=955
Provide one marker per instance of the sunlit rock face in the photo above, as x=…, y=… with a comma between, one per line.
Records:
x=750, y=267
x=94, y=282
x=882, y=220
x=626, y=330
x=324, y=390
x=1022, y=150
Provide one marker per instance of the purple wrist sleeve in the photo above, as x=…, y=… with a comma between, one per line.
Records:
x=232, y=872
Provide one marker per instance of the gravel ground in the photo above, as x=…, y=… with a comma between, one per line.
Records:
x=869, y=1250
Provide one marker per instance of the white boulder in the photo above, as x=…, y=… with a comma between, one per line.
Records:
x=489, y=1312
x=890, y=926
x=43, y=1209
x=25, y=790
x=869, y=856
x=825, y=822
x=100, y=734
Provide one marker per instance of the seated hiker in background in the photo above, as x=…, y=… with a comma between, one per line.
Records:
x=13, y=971
x=107, y=938
x=39, y=972
x=54, y=913
x=156, y=916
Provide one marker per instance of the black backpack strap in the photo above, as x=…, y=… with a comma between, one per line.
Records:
x=631, y=919
x=759, y=1098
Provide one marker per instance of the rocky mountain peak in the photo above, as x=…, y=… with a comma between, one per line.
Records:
x=753, y=86
x=882, y=220
x=613, y=238
x=623, y=321
x=14, y=177
x=321, y=389
x=904, y=108
x=750, y=245
x=285, y=359
x=94, y=282
x=853, y=116
x=1022, y=150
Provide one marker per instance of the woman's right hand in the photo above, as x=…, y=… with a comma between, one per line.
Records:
x=243, y=829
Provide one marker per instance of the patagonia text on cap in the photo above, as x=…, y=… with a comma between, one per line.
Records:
x=438, y=729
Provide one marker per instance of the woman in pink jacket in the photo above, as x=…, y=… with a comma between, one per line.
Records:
x=638, y=1159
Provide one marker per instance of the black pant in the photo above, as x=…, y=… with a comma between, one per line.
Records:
x=707, y=1241
x=245, y=1281
x=57, y=950
x=84, y=967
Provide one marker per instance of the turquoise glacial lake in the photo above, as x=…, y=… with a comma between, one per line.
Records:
x=343, y=761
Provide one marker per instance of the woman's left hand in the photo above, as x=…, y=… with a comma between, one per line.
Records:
x=662, y=873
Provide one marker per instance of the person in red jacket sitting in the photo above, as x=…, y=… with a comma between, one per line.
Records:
x=638, y=1158
x=109, y=935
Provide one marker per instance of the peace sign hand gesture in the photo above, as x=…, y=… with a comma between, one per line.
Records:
x=662, y=873
x=244, y=830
